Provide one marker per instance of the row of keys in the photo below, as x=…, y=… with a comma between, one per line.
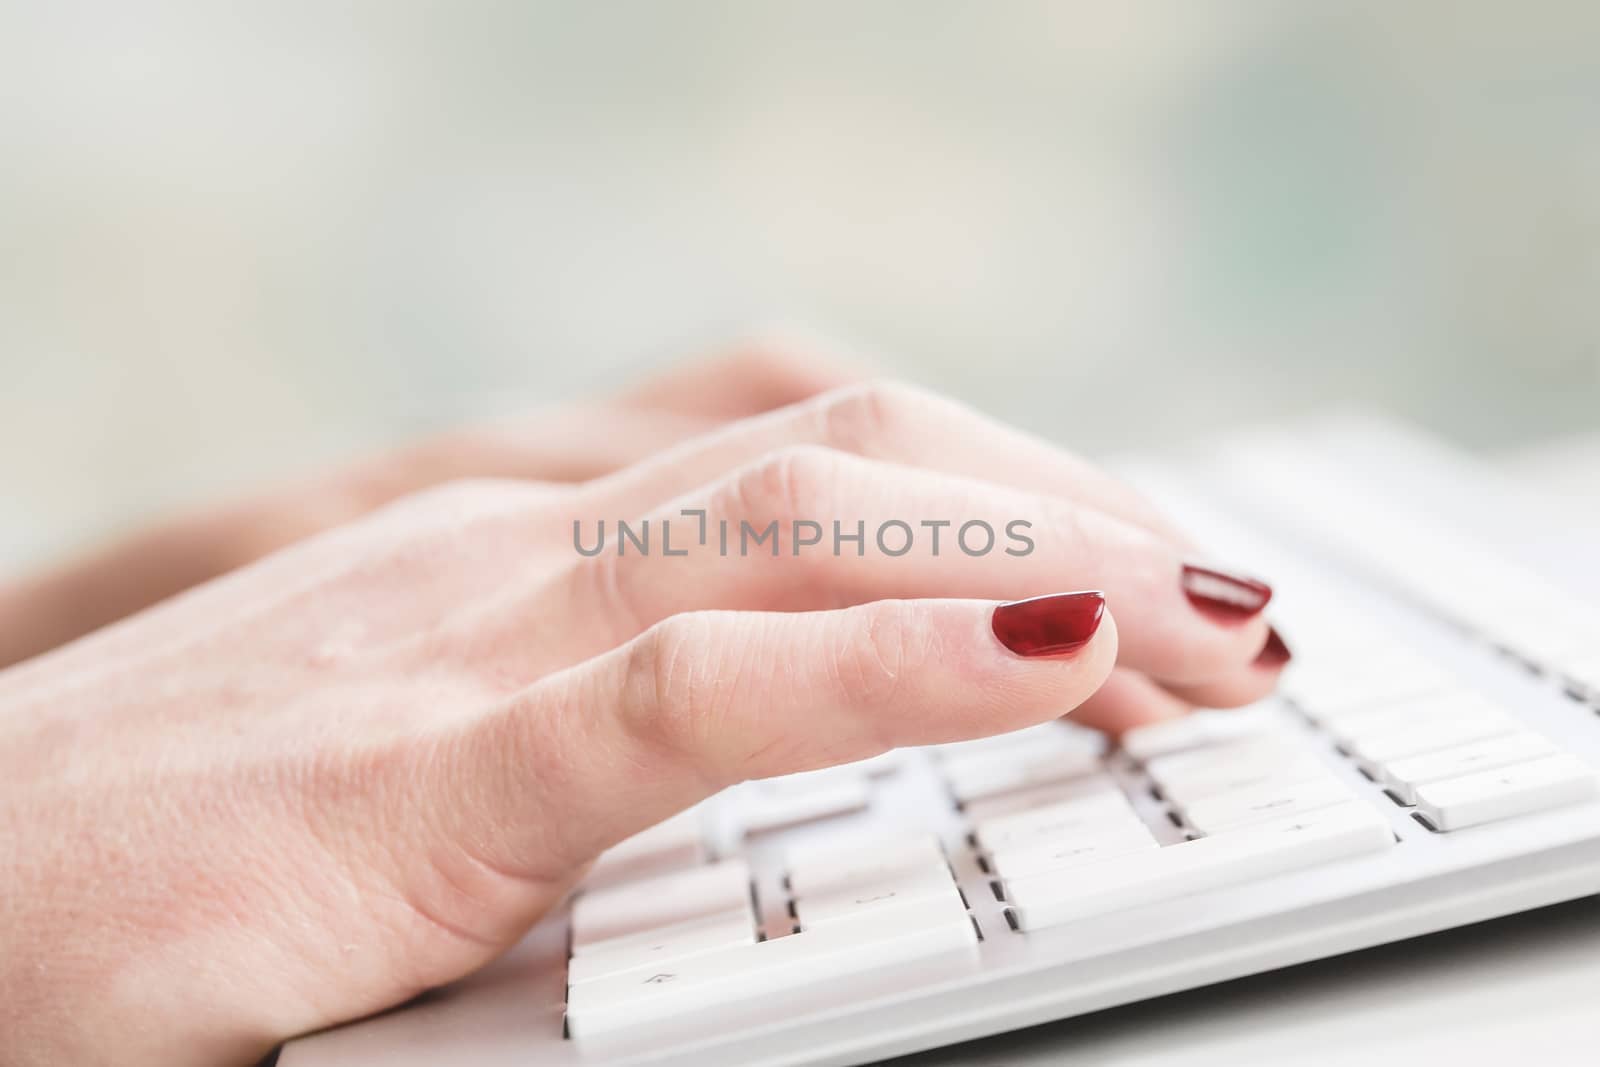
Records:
x=1454, y=755
x=1245, y=854
x=1460, y=760
x=1266, y=806
x=768, y=971
x=685, y=942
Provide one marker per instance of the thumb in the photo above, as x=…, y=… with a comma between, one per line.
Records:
x=705, y=700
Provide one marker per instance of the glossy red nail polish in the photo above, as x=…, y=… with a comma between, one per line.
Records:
x=1275, y=653
x=1222, y=596
x=1051, y=625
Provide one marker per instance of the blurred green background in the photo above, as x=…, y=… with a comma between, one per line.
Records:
x=238, y=240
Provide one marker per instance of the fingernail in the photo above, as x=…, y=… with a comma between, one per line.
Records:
x=1274, y=653
x=1224, y=597
x=1051, y=625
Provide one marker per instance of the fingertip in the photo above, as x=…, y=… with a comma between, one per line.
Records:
x=1275, y=654
x=1056, y=624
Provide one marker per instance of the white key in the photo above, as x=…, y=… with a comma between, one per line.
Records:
x=602, y=914
x=973, y=777
x=1377, y=749
x=1421, y=711
x=890, y=891
x=1403, y=776
x=1073, y=851
x=676, y=842
x=825, y=866
x=1202, y=782
x=1227, y=810
x=1053, y=823
x=1145, y=743
x=1089, y=785
x=1457, y=803
x=1187, y=771
x=762, y=812
x=1359, y=685
x=1092, y=787
x=653, y=947
x=1244, y=855
x=769, y=970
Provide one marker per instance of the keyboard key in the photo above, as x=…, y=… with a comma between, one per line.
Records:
x=979, y=775
x=1189, y=772
x=1403, y=776
x=1082, y=788
x=885, y=892
x=1202, y=782
x=1447, y=707
x=767, y=971
x=1051, y=823
x=1234, y=767
x=1089, y=846
x=1363, y=683
x=654, y=947
x=602, y=914
x=1377, y=749
x=829, y=865
x=1227, y=810
x=1200, y=728
x=763, y=810
x=676, y=842
x=1457, y=803
x=1243, y=855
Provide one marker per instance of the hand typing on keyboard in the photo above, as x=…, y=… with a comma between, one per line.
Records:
x=363, y=766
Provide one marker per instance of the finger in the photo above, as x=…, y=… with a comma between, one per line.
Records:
x=756, y=376
x=567, y=446
x=892, y=422
x=1169, y=631
x=1129, y=700
x=1241, y=688
x=705, y=700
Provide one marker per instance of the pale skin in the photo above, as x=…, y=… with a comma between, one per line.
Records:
x=365, y=763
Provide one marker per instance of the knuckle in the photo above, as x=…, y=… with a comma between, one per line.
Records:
x=674, y=700
x=871, y=418
x=790, y=483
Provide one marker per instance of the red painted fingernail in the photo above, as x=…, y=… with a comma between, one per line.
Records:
x=1051, y=625
x=1274, y=653
x=1222, y=596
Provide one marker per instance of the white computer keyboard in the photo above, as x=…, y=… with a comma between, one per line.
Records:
x=1430, y=761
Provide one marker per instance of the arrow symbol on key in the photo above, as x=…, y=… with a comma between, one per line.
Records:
x=657, y=979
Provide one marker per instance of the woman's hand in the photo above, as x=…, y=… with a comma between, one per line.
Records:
x=364, y=765
x=566, y=445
